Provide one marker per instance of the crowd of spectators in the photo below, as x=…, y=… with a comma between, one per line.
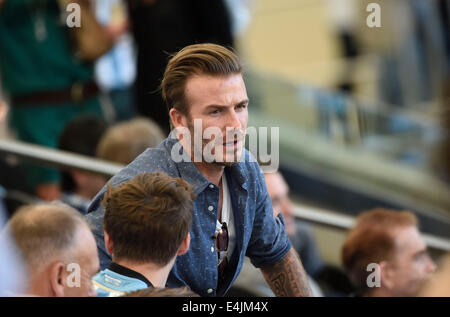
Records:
x=71, y=232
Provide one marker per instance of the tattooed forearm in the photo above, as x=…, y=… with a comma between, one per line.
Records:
x=287, y=277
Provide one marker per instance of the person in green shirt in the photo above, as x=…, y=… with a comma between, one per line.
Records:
x=47, y=72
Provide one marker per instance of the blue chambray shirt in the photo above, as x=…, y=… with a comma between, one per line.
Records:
x=259, y=235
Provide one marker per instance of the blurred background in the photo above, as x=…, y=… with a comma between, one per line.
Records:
x=364, y=112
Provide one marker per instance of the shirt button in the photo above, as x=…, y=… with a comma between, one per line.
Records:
x=212, y=249
x=210, y=291
x=211, y=186
x=210, y=208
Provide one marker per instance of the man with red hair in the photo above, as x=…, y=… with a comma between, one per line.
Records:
x=385, y=255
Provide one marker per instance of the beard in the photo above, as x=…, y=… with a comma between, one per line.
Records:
x=226, y=164
x=215, y=151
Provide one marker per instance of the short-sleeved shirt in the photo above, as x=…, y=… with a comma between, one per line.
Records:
x=259, y=235
x=118, y=280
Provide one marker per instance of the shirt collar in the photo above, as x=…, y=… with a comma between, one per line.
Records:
x=119, y=269
x=187, y=169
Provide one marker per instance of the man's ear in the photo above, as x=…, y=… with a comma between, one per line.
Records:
x=57, y=276
x=386, y=275
x=178, y=119
x=108, y=243
x=184, y=247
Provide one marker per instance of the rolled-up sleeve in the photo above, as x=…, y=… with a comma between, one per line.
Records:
x=268, y=242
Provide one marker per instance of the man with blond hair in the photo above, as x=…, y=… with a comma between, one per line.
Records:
x=58, y=249
x=126, y=140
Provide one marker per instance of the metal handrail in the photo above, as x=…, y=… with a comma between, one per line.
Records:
x=68, y=160
x=58, y=158
x=344, y=222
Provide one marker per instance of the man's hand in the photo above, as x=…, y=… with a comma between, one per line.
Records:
x=287, y=277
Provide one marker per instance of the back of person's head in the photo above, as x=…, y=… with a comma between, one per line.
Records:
x=389, y=239
x=81, y=136
x=197, y=59
x=124, y=141
x=148, y=218
x=55, y=241
x=163, y=292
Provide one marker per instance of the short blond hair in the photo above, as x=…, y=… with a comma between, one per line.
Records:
x=124, y=141
x=45, y=231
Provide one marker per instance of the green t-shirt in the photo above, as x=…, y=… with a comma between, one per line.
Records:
x=36, y=51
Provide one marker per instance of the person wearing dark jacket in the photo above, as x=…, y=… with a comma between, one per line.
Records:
x=164, y=27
